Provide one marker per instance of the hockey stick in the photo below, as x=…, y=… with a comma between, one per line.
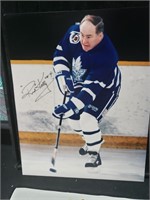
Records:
x=53, y=160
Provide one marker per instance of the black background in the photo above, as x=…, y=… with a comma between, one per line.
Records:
x=25, y=36
x=33, y=35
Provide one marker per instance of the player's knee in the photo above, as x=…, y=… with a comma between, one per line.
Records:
x=75, y=125
x=88, y=122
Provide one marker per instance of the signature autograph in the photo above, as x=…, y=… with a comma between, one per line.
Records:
x=41, y=85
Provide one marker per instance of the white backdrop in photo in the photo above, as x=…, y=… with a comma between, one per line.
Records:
x=36, y=94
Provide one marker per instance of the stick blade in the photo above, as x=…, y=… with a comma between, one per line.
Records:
x=53, y=170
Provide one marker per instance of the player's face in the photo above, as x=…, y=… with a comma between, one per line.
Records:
x=88, y=36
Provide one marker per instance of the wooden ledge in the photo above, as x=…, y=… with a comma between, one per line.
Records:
x=127, y=142
x=50, y=62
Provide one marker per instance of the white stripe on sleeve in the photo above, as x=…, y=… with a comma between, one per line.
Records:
x=60, y=58
x=89, y=92
x=112, y=83
x=118, y=78
x=60, y=67
x=102, y=84
x=59, y=47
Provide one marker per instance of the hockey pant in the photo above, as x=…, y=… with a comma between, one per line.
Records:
x=87, y=122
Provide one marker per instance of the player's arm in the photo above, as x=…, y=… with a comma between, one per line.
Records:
x=61, y=65
x=87, y=95
x=91, y=88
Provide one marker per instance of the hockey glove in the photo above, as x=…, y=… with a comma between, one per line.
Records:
x=67, y=110
x=65, y=81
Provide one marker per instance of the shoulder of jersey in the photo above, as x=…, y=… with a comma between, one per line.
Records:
x=74, y=36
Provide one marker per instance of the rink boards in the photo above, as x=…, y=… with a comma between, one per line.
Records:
x=36, y=94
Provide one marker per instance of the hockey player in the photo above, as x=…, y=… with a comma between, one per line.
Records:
x=85, y=61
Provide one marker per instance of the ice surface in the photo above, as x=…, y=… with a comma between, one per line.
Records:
x=117, y=164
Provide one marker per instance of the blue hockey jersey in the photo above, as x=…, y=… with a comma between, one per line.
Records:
x=92, y=71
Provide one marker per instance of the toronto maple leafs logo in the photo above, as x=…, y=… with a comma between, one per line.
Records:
x=74, y=37
x=76, y=69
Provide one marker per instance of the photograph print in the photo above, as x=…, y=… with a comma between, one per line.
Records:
x=80, y=90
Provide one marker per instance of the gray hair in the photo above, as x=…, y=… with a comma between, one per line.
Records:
x=96, y=21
